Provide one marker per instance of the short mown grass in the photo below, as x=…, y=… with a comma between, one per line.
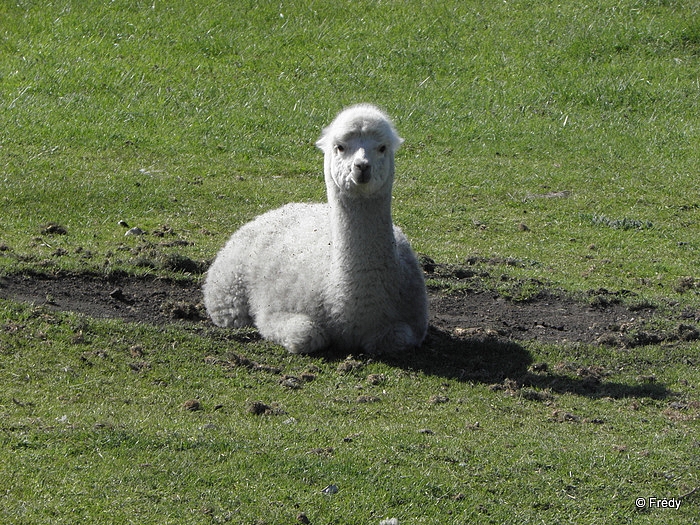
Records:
x=521, y=120
x=110, y=422
x=562, y=136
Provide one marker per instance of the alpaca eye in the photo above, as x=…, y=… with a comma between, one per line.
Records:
x=340, y=148
x=382, y=148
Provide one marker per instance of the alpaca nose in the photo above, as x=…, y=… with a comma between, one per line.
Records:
x=363, y=171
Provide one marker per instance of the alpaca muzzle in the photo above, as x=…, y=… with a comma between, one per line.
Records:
x=362, y=171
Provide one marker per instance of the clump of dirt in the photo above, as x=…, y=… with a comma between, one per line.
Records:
x=140, y=366
x=376, y=379
x=233, y=360
x=291, y=382
x=53, y=228
x=192, y=405
x=183, y=310
x=349, y=365
x=258, y=408
x=437, y=399
x=687, y=283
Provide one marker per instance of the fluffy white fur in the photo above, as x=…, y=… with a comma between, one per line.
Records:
x=340, y=274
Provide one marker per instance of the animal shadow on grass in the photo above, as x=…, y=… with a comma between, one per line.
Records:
x=507, y=365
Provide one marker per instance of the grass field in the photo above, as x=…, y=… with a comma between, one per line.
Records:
x=564, y=136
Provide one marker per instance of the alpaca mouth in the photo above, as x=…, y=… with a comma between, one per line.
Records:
x=362, y=176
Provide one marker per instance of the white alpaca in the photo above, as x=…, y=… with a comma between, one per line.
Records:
x=340, y=274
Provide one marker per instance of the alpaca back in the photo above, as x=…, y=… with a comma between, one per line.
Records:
x=276, y=261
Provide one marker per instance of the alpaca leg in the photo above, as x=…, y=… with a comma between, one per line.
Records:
x=232, y=317
x=396, y=339
x=227, y=303
x=298, y=333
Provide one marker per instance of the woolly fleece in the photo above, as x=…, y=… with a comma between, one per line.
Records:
x=339, y=274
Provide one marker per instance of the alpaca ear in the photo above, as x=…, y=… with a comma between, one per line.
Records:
x=322, y=142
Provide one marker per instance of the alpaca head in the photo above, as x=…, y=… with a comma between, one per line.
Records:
x=359, y=147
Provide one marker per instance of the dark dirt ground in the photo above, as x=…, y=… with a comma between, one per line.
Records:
x=475, y=333
x=473, y=311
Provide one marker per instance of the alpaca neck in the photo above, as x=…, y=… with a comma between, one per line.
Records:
x=362, y=234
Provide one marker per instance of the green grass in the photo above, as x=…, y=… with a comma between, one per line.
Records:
x=563, y=136
x=95, y=429
x=152, y=114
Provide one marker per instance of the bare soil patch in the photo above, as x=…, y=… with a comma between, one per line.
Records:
x=475, y=333
x=472, y=312
x=133, y=299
